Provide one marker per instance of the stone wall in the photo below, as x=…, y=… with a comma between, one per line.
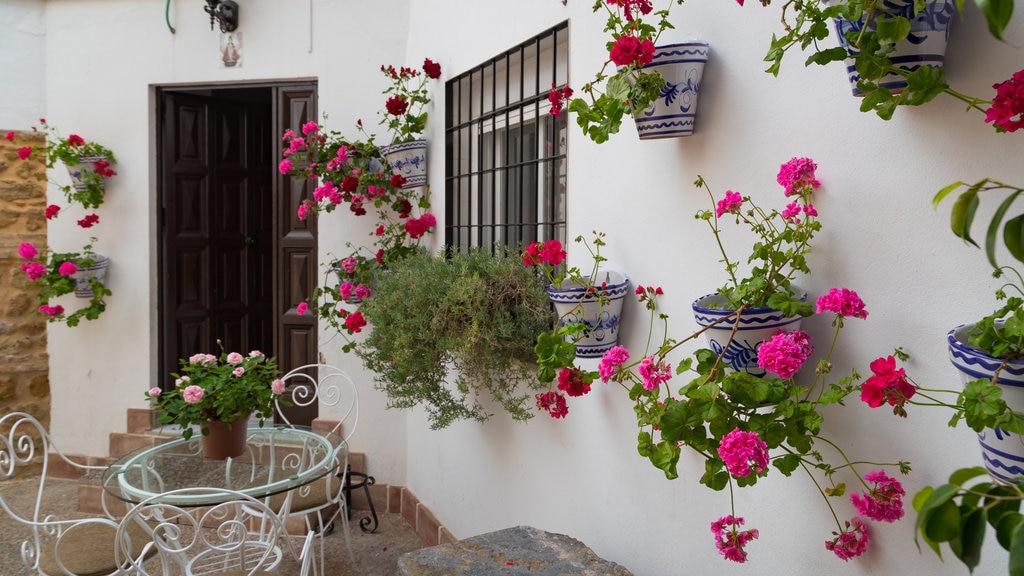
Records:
x=24, y=364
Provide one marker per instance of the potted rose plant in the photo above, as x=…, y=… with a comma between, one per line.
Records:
x=60, y=273
x=219, y=395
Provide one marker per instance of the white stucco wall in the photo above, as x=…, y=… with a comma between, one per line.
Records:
x=100, y=368
x=580, y=476
x=22, y=63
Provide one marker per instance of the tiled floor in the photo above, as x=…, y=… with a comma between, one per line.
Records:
x=375, y=554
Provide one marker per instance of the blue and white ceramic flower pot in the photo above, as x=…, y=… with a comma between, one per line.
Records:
x=83, y=289
x=410, y=160
x=86, y=165
x=1002, y=451
x=925, y=45
x=573, y=304
x=674, y=113
x=755, y=326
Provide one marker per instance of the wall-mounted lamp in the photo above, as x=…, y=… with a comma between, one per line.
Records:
x=223, y=11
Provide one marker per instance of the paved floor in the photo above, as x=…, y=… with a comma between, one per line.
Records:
x=375, y=554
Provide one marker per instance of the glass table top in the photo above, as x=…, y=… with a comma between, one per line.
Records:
x=276, y=459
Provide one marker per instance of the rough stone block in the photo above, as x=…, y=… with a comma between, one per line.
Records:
x=518, y=551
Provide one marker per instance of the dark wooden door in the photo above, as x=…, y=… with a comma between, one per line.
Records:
x=235, y=261
x=217, y=243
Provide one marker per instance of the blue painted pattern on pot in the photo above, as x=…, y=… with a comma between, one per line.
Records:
x=675, y=111
x=925, y=45
x=410, y=160
x=573, y=304
x=755, y=326
x=84, y=274
x=1002, y=451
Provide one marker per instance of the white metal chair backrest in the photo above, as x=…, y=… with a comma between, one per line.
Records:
x=24, y=445
x=333, y=391
x=240, y=534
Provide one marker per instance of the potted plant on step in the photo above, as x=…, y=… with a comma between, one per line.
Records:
x=219, y=395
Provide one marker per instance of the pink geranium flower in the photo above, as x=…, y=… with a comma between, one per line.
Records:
x=797, y=176
x=884, y=501
x=27, y=251
x=887, y=384
x=842, y=301
x=553, y=402
x=730, y=204
x=34, y=270
x=730, y=540
x=851, y=541
x=743, y=453
x=67, y=268
x=573, y=381
x=301, y=308
x=654, y=372
x=785, y=352
x=613, y=358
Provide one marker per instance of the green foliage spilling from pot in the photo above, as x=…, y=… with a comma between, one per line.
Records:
x=448, y=333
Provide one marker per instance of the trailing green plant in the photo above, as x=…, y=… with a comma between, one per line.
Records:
x=444, y=333
x=1001, y=333
x=808, y=22
x=612, y=95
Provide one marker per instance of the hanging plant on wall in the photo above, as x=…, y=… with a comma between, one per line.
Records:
x=82, y=272
x=872, y=30
x=453, y=335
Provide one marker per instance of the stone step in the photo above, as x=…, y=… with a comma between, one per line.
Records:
x=518, y=550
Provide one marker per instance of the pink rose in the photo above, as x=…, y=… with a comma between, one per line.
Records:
x=235, y=358
x=238, y=371
x=277, y=386
x=154, y=392
x=193, y=394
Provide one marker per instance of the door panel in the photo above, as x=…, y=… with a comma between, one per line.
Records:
x=217, y=248
x=296, y=262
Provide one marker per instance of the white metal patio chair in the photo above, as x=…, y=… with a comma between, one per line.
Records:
x=237, y=536
x=59, y=545
x=321, y=503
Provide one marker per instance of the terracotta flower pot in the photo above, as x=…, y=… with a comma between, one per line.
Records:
x=226, y=439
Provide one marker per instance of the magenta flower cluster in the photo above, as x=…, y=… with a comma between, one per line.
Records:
x=730, y=540
x=743, y=453
x=785, y=352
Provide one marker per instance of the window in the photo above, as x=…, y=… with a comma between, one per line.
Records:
x=505, y=154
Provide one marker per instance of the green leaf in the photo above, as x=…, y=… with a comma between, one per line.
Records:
x=1017, y=551
x=1006, y=528
x=1013, y=237
x=997, y=14
x=941, y=194
x=967, y=546
x=943, y=523
x=993, y=230
x=961, y=476
x=787, y=464
x=927, y=501
x=962, y=216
